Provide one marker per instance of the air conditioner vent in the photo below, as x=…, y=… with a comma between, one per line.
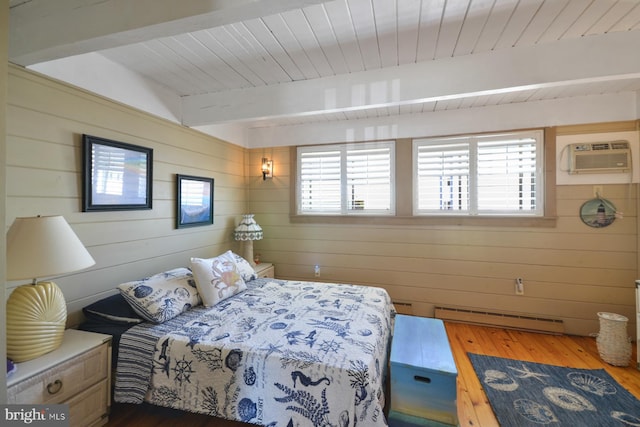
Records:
x=619, y=145
x=603, y=157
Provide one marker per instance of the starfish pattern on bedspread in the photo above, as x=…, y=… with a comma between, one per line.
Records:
x=281, y=353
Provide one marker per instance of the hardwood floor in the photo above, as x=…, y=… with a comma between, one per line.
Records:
x=473, y=407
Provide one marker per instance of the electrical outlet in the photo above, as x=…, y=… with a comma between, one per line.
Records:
x=598, y=192
x=519, y=286
x=316, y=271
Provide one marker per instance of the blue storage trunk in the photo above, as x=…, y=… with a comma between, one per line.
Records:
x=423, y=373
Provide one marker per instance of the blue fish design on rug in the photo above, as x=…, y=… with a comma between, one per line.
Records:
x=527, y=394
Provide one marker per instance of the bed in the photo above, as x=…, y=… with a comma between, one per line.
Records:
x=277, y=353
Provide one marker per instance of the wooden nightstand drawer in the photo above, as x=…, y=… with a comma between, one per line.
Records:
x=91, y=407
x=77, y=373
x=63, y=381
x=265, y=270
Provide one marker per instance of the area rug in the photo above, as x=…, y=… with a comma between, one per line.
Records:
x=524, y=394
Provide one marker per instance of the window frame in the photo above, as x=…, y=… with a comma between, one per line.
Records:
x=473, y=144
x=404, y=196
x=343, y=150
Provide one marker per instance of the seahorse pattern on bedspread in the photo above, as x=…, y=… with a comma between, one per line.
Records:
x=281, y=353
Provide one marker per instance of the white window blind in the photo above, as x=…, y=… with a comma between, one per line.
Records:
x=346, y=179
x=443, y=177
x=479, y=175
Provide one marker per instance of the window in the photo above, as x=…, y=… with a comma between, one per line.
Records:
x=479, y=175
x=347, y=179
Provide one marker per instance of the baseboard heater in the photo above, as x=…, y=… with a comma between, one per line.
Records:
x=503, y=320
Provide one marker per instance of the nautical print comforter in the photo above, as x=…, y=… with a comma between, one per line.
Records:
x=281, y=353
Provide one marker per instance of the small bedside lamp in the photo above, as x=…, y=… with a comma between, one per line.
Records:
x=39, y=246
x=248, y=231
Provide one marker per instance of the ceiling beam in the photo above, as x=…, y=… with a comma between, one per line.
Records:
x=43, y=30
x=611, y=56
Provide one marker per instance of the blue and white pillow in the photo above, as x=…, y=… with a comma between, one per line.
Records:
x=162, y=296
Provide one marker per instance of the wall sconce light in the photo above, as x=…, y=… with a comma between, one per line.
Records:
x=267, y=168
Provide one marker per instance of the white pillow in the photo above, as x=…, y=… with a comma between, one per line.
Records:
x=217, y=279
x=244, y=268
x=162, y=296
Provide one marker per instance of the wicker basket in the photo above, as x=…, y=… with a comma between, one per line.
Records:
x=614, y=345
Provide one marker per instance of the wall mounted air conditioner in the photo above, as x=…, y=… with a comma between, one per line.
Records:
x=603, y=157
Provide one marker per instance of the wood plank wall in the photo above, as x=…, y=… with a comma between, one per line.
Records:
x=45, y=122
x=570, y=271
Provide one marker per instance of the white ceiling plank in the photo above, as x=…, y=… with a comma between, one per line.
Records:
x=595, y=58
x=408, y=17
x=448, y=104
x=230, y=51
x=499, y=18
x=452, y=19
x=614, y=15
x=365, y=28
x=468, y=102
x=473, y=25
x=494, y=99
x=405, y=109
x=246, y=48
x=511, y=97
x=588, y=18
x=184, y=53
x=430, y=23
x=256, y=56
x=212, y=64
x=196, y=78
x=630, y=21
x=520, y=20
x=541, y=22
x=262, y=33
x=340, y=19
x=323, y=31
x=322, y=61
x=564, y=21
x=301, y=30
x=290, y=44
x=221, y=55
x=35, y=34
x=387, y=31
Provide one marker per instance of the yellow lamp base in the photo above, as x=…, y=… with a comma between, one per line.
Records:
x=36, y=319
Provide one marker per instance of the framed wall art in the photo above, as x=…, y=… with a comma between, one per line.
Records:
x=194, y=201
x=598, y=213
x=115, y=175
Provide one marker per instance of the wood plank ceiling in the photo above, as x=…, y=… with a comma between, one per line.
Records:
x=344, y=37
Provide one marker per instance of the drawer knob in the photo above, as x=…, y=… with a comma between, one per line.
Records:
x=54, y=387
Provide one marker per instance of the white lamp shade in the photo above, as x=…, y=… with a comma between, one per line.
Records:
x=248, y=229
x=44, y=246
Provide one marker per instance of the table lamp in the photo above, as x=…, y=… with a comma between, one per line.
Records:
x=41, y=246
x=248, y=231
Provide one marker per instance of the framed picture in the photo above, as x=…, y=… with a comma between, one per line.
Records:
x=598, y=213
x=115, y=175
x=194, y=201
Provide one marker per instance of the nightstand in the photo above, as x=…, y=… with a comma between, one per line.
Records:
x=265, y=270
x=77, y=373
